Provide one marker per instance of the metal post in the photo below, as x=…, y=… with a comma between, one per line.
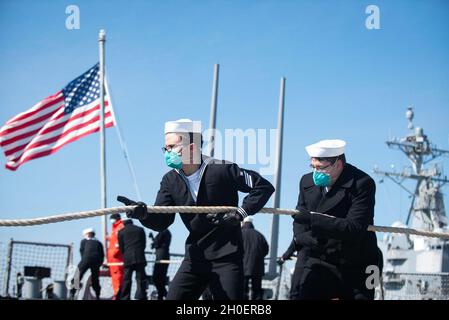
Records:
x=213, y=109
x=69, y=260
x=101, y=42
x=8, y=266
x=277, y=183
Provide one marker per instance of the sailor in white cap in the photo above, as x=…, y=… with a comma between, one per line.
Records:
x=255, y=248
x=183, y=142
x=324, y=157
x=198, y=180
x=89, y=232
x=92, y=257
x=336, y=204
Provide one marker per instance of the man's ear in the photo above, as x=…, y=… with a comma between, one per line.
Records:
x=341, y=164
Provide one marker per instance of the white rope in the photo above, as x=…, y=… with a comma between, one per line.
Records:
x=190, y=209
x=423, y=233
x=102, y=212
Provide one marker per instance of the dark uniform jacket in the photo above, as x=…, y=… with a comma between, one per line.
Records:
x=92, y=252
x=132, y=244
x=338, y=231
x=255, y=248
x=161, y=244
x=219, y=186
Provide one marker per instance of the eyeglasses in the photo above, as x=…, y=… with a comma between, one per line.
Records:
x=323, y=168
x=170, y=147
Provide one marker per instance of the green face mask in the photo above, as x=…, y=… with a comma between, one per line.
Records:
x=321, y=179
x=173, y=159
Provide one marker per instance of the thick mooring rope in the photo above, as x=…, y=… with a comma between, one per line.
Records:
x=190, y=209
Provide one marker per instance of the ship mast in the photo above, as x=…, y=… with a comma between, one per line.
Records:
x=427, y=206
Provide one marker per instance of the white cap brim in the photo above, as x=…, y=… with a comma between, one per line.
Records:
x=326, y=148
x=88, y=230
x=182, y=125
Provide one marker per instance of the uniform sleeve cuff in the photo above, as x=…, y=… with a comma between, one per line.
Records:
x=242, y=212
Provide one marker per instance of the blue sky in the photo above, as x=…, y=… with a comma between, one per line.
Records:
x=343, y=81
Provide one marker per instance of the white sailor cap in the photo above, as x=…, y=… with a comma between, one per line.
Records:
x=248, y=219
x=326, y=148
x=183, y=125
x=88, y=230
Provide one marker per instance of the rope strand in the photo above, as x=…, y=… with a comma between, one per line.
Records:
x=190, y=209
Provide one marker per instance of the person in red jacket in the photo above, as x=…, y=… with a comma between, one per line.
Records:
x=115, y=257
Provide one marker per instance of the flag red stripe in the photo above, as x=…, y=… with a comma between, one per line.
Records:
x=53, y=150
x=30, y=123
x=48, y=102
x=20, y=137
x=58, y=137
x=46, y=130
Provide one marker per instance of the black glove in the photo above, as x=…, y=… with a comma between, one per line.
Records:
x=139, y=212
x=304, y=217
x=280, y=261
x=232, y=218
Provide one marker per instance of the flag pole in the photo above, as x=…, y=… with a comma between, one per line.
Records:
x=213, y=110
x=101, y=42
x=277, y=182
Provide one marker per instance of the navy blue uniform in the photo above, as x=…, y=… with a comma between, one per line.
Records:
x=335, y=248
x=92, y=256
x=161, y=244
x=132, y=242
x=255, y=248
x=213, y=254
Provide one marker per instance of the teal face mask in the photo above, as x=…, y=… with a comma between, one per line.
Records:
x=173, y=159
x=321, y=179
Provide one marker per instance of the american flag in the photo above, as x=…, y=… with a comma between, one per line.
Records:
x=57, y=120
